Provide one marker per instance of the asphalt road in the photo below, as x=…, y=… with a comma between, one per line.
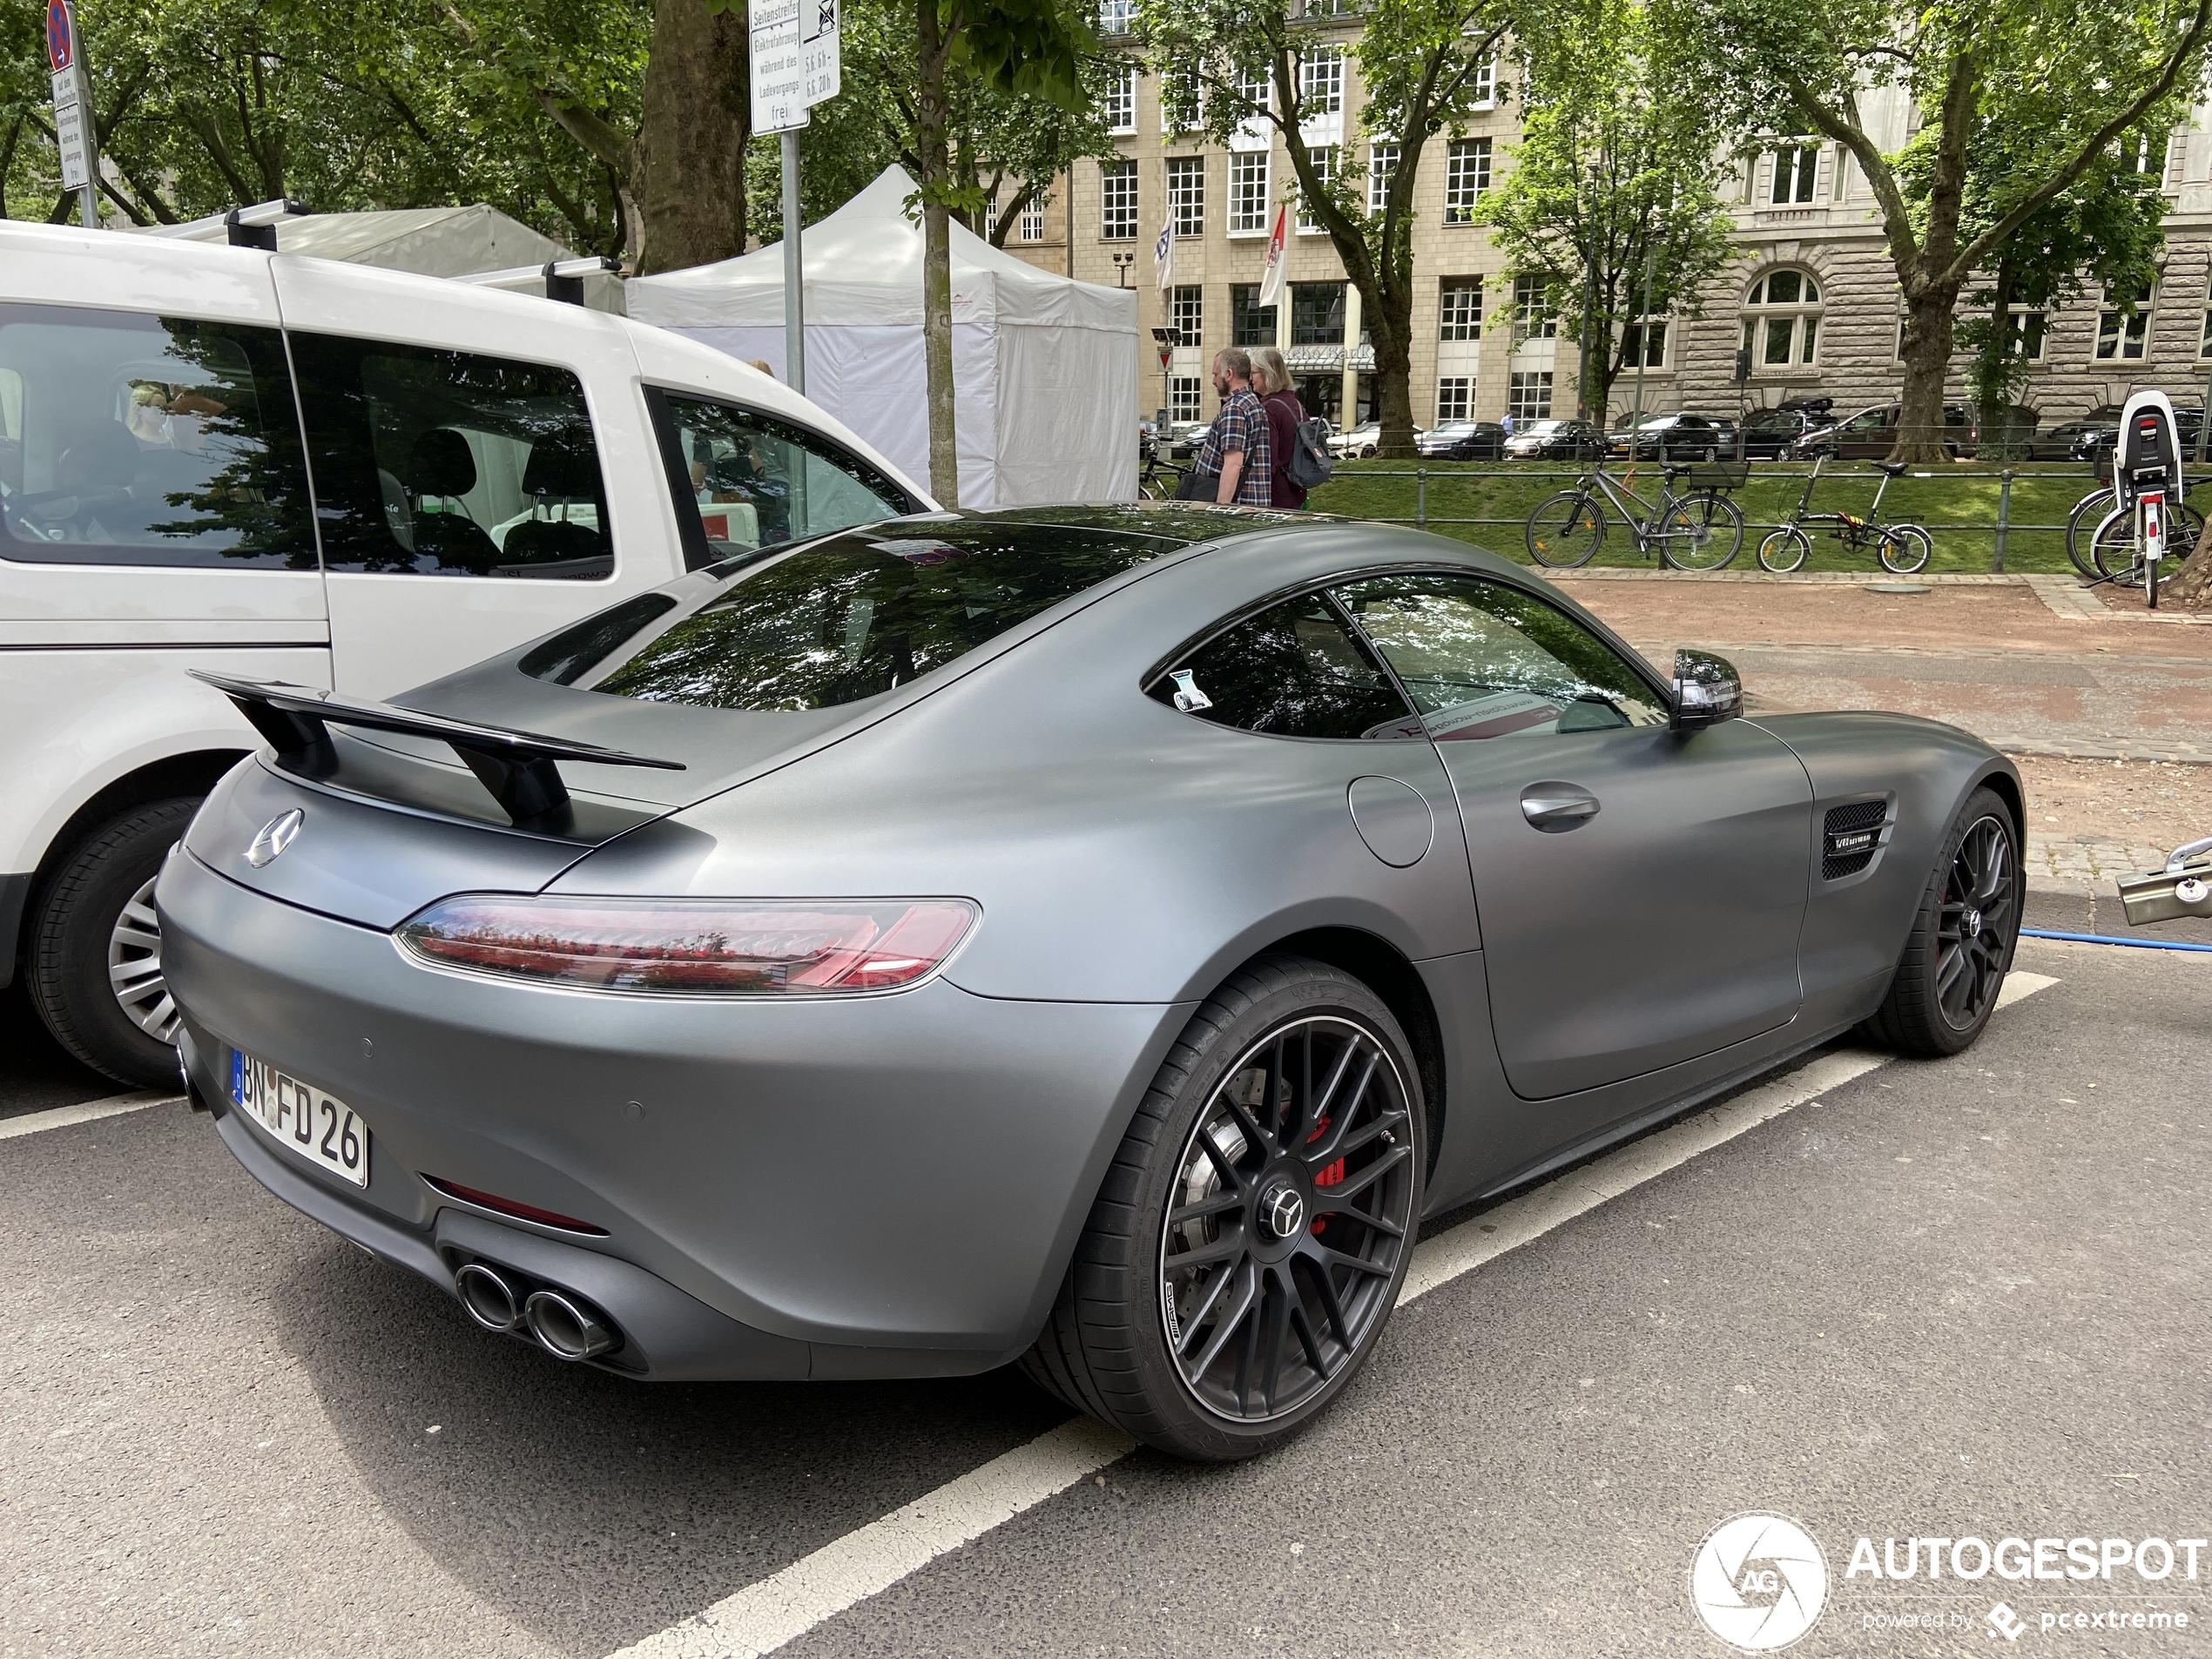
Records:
x=1950, y=1299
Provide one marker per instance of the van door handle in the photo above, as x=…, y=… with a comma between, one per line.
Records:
x=1553, y=807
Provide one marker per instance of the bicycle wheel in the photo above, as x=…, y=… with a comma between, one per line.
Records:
x=1905, y=549
x=2087, y=513
x=2115, y=552
x=1784, y=549
x=1565, y=531
x=1701, y=532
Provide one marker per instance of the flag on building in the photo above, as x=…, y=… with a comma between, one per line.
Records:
x=1163, y=256
x=1270, y=283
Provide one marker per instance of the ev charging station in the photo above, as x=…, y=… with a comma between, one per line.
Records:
x=2147, y=475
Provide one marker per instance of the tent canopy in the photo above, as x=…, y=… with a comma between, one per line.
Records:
x=1044, y=367
x=430, y=242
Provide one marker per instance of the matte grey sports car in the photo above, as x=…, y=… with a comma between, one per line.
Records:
x=1093, y=937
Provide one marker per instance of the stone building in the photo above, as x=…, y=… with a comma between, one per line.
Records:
x=1811, y=294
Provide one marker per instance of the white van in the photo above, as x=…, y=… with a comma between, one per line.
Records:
x=352, y=479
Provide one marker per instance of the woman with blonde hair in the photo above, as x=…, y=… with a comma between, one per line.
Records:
x=1271, y=379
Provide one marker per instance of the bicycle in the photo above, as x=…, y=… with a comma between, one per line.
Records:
x=1700, y=530
x=1901, y=547
x=1158, y=480
x=2112, y=552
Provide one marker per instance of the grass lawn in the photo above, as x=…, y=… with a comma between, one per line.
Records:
x=1957, y=502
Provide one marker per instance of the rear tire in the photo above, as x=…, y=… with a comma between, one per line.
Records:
x=95, y=956
x=1701, y=532
x=1963, y=937
x=1249, y=1241
x=1905, y=549
x=1565, y=531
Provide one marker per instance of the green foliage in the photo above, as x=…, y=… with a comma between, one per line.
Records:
x=203, y=104
x=1006, y=145
x=1614, y=178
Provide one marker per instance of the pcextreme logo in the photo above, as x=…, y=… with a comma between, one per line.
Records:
x=1759, y=1581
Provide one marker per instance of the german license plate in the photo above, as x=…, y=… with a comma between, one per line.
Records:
x=311, y=1124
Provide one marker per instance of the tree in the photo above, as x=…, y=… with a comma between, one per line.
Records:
x=1611, y=195
x=1422, y=64
x=2070, y=79
x=2107, y=229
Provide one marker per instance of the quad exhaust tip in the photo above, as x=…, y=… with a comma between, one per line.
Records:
x=565, y=1328
x=489, y=1298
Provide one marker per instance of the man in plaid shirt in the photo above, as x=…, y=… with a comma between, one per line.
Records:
x=1235, y=453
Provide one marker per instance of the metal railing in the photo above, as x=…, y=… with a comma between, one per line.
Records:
x=2001, y=531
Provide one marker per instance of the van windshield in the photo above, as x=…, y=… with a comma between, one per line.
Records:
x=855, y=615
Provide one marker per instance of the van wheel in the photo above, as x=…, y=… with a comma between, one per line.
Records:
x=95, y=955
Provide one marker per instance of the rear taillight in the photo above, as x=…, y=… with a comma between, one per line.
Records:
x=693, y=946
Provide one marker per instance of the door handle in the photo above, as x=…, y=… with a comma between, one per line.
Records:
x=1554, y=807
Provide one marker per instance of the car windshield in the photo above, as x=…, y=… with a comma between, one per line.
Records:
x=1772, y=418
x=1547, y=425
x=855, y=615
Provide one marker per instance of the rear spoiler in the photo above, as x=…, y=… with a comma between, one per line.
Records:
x=517, y=767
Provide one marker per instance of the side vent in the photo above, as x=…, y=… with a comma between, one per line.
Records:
x=1850, y=838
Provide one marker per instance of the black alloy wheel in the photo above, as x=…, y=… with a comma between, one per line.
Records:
x=1295, y=1186
x=1961, y=944
x=1248, y=1243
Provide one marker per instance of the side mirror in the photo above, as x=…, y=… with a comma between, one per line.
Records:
x=1708, y=690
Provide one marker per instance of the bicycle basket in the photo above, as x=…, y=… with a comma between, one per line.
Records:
x=1714, y=475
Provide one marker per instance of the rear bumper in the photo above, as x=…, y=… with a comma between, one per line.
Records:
x=887, y=1187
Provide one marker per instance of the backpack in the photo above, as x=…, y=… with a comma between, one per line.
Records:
x=1309, y=463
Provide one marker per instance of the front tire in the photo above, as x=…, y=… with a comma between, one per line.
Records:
x=1963, y=936
x=1565, y=530
x=1783, y=550
x=1249, y=1241
x=95, y=968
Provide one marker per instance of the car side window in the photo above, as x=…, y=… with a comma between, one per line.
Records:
x=1291, y=671
x=435, y=462
x=742, y=480
x=1483, y=660
x=129, y=439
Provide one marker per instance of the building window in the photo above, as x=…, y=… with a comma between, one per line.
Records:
x=1643, y=343
x=1186, y=313
x=1782, y=320
x=2028, y=326
x=1317, y=314
x=1321, y=81
x=1484, y=84
x=1455, y=398
x=1382, y=166
x=1187, y=194
x=2120, y=335
x=1528, y=397
x=1120, y=98
x=1183, y=392
x=1033, y=221
x=1467, y=175
x=1114, y=16
x=1248, y=193
x=1118, y=201
x=2204, y=340
x=1181, y=103
x=1250, y=322
x=1255, y=90
x=1533, y=316
x=1461, y=312
x=1323, y=156
x=1795, y=168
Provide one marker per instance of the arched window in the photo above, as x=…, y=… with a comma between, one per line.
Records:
x=1782, y=320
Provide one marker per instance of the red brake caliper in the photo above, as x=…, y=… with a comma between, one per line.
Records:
x=1329, y=1177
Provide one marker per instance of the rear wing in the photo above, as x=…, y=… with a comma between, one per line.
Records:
x=519, y=768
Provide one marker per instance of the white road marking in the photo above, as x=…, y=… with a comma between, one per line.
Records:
x=784, y=1606
x=90, y=1111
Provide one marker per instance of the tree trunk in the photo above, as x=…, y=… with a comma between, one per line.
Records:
x=687, y=171
x=2190, y=587
x=931, y=119
x=1390, y=324
x=1929, y=316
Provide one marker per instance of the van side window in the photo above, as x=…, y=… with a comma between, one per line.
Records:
x=743, y=480
x=128, y=439
x=434, y=462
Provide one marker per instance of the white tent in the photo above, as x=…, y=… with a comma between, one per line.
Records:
x=1044, y=367
x=432, y=241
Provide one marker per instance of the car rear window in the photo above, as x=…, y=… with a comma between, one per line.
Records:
x=861, y=614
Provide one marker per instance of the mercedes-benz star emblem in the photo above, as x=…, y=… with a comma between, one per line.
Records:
x=1281, y=1211
x=275, y=836
x=1970, y=926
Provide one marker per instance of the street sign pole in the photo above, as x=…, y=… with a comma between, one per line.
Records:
x=795, y=66
x=73, y=134
x=794, y=272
